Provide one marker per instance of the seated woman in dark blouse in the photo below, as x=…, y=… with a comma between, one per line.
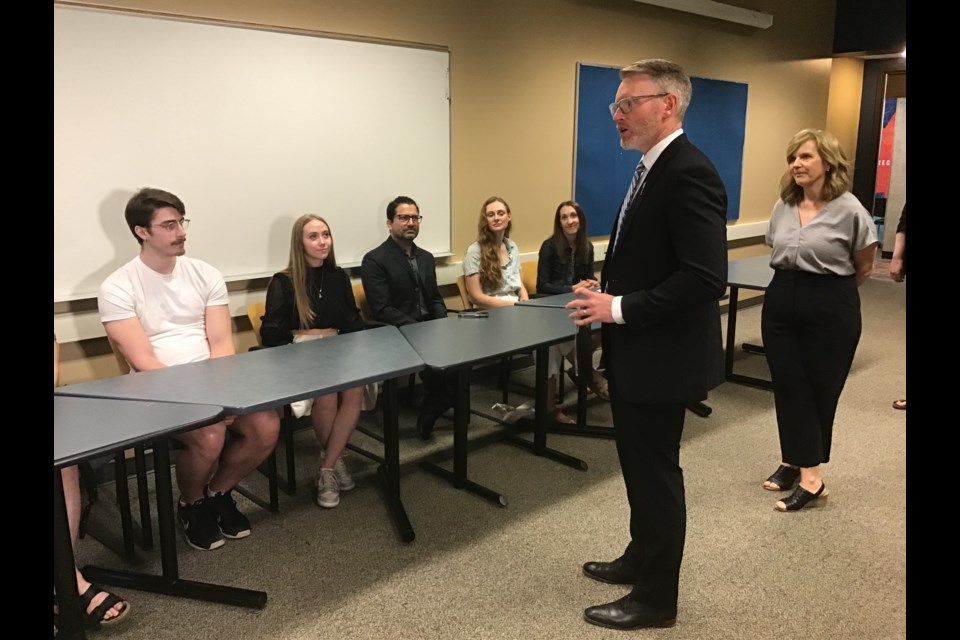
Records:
x=313, y=298
x=565, y=265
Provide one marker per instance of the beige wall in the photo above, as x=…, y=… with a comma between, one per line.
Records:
x=843, y=108
x=513, y=82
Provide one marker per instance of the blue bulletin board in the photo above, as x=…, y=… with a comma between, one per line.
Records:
x=715, y=122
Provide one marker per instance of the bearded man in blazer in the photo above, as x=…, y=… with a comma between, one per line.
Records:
x=400, y=282
x=663, y=276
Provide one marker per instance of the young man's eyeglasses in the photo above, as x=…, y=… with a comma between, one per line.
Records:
x=405, y=218
x=170, y=225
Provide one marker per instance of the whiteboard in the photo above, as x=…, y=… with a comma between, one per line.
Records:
x=251, y=128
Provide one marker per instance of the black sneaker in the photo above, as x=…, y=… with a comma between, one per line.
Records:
x=200, y=526
x=231, y=522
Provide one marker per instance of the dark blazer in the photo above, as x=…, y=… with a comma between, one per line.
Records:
x=392, y=288
x=552, y=273
x=670, y=266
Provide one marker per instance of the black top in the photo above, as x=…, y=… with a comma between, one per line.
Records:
x=331, y=298
x=553, y=270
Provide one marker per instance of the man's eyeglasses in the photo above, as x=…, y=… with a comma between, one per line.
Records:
x=627, y=104
x=170, y=225
x=404, y=218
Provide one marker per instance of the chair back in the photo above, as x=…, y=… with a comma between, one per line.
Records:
x=122, y=363
x=360, y=296
x=462, y=288
x=528, y=276
x=255, y=311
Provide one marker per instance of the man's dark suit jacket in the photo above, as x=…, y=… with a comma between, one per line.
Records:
x=392, y=288
x=670, y=266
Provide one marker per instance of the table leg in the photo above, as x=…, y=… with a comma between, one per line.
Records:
x=169, y=582
x=539, y=444
x=389, y=470
x=700, y=409
x=461, y=446
x=143, y=497
x=731, y=329
x=760, y=383
x=584, y=356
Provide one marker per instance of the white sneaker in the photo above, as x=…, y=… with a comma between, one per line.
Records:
x=525, y=410
x=328, y=489
x=344, y=478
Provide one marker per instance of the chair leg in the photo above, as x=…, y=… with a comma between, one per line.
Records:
x=269, y=470
x=505, y=365
x=273, y=481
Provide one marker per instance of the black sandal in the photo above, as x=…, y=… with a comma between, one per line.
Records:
x=784, y=477
x=93, y=619
x=801, y=497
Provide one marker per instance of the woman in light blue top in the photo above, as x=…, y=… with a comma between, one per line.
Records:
x=824, y=243
x=491, y=266
x=491, y=269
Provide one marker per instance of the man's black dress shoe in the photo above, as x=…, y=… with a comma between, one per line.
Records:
x=616, y=572
x=626, y=613
x=425, y=424
x=433, y=407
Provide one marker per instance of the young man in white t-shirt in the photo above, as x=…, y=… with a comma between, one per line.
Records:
x=163, y=309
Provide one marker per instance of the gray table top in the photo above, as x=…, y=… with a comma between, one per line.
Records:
x=750, y=273
x=85, y=428
x=453, y=342
x=266, y=378
x=559, y=300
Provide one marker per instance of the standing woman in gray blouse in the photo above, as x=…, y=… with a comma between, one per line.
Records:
x=824, y=243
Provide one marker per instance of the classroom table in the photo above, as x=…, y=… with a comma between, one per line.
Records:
x=749, y=273
x=585, y=354
x=85, y=428
x=268, y=378
x=455, y=344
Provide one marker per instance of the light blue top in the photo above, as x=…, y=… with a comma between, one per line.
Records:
x=510, y=271
x=826, y=244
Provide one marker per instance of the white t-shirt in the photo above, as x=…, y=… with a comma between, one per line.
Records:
x=171, y=308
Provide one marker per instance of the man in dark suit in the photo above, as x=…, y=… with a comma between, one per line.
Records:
x=400, y=282
x=663, y=276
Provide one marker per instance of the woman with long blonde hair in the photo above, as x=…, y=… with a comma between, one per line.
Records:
x=313, y=298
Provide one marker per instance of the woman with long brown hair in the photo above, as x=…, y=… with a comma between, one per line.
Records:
x=565, y=264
